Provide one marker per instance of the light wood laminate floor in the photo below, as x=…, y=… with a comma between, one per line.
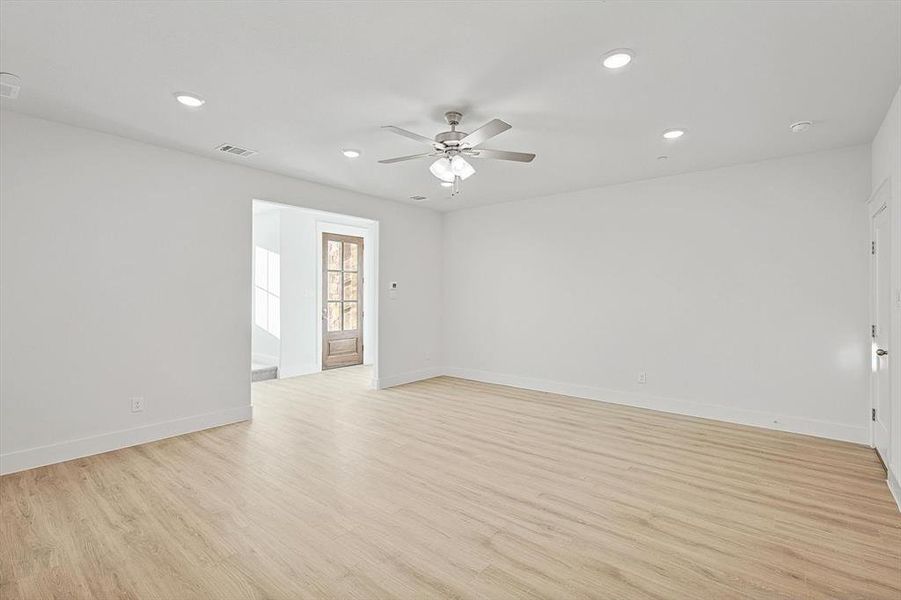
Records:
x=454, y=489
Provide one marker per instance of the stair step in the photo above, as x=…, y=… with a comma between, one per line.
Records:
x=264, y=374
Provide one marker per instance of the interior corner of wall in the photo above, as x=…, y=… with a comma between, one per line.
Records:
x=894, y=486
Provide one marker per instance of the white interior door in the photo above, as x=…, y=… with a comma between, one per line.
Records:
x=881, y=298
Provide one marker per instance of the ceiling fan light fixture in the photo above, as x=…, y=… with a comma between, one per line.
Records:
x=441, y=169
x=446, y=169
x=460, y=168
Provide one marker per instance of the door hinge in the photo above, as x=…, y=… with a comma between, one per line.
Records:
x=873, y=331
x=873, y=248
x=873, y=414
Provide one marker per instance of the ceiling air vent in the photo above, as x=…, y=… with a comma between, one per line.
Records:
x=418, y=198
x=236, y=150
x=9, y=86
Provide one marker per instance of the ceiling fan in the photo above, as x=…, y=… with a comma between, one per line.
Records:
x=453, y=147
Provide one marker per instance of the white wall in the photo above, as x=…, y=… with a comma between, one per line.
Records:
x=265, y=347
x=741, y=292
x=124, y=273
x=886, y=170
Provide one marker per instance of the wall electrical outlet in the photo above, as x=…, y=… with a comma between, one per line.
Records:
x=642, y=377
x=137, y=404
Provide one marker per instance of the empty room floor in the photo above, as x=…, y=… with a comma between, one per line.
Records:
x=453, y=489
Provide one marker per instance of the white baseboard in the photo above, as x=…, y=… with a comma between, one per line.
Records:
x=894, y=486
x=382, y=383
x=825, y=429
x=63, y=451
x=55, y=453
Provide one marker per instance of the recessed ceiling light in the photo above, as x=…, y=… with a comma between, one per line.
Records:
x=662, y=157
x=800, y=126
x=447, y=184
x=351, y=153
x=672, y=134
x=619, y=58
x=190, y=100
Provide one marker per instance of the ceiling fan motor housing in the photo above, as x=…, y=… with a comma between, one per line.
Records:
x=450, y=138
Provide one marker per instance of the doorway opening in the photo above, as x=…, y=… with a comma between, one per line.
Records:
x=314, y=304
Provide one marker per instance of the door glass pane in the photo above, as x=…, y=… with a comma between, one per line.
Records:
x=350, y=286
x=334, y=286
x=350, y=256
x=350, y=316
x=334, y=255
x=334, y=316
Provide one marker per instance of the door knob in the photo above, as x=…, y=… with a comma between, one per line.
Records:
x=881, y=352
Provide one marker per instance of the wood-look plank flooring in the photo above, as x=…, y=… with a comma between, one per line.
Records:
x=454, y=489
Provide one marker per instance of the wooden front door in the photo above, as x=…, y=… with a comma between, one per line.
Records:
x=342, y=293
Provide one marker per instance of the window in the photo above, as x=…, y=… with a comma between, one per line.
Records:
x=266, y=274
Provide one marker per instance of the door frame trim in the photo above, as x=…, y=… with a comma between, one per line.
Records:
x=879, y=200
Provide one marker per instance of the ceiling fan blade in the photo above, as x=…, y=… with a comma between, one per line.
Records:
x=388, y=161
x=411, y=135
x=484, y=133
x=501, y=155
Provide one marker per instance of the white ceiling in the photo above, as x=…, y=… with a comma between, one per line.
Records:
x=300, y=81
